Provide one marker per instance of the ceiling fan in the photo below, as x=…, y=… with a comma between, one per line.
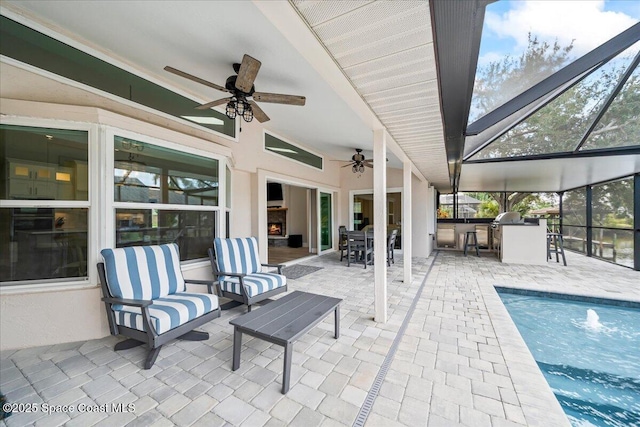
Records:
x=357, y=162
x=242, y=101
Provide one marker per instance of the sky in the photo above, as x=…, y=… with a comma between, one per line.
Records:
x=588, y=23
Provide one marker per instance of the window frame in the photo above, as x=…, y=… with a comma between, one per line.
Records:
x=285, y=140
x=93, y=218
x=100, y=202
x=108, y=188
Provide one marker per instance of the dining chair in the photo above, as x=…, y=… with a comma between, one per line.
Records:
x=359, y=247
x=342, y=241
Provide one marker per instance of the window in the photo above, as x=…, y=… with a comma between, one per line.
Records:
x=44, y=193
x=176, y=197
x=32, y=47
x=282, y=148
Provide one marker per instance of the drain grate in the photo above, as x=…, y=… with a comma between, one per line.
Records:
x=382, y=373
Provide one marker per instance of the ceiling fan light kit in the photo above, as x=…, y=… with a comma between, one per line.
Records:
x=239, y=107
x=241, y=88
x=358, y=162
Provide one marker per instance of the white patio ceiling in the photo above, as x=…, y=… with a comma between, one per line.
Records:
x=394, y=72
x=385, y=49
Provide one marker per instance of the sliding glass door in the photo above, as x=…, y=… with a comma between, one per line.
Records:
x=326, y=226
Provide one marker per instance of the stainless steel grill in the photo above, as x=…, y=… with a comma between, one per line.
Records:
x=507, y=218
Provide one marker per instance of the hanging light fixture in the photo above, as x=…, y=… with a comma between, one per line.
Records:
x=231, y=108
x=248, y=113
x=239, y=107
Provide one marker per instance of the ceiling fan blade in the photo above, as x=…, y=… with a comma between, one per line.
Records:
x=194, y=78
x=368, y=165
x=213, y=104
x=346, y=166
x=247, y=73
x=278, y=98
x=258, y=113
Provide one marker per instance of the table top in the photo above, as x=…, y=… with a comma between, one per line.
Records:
x=287, y=318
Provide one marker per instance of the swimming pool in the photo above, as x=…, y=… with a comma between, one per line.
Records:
x=588, y=352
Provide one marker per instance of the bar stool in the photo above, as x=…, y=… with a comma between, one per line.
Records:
x=471, y=235
x=555, y=245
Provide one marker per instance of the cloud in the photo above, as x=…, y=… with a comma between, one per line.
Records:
x=489, y=57
x=586, y=23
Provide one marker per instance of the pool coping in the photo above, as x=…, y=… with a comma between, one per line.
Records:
x=538, y=403
x=569, y=297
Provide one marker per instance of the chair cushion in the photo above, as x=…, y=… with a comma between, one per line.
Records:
x=239, y=255
x=257, y=283
x=168, y=312
x=143, y=272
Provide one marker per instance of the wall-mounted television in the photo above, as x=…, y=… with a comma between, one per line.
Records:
x=274, y=191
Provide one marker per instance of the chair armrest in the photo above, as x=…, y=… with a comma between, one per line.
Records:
x=131, y=302
x=222, y=273
x=200, y=282
x=278, y=266
x=272, y=265
x=212, y=285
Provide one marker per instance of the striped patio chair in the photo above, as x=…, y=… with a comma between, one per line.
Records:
x=146, y=299
x=236, y=266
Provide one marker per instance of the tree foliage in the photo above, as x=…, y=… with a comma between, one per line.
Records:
x=499, y=81
x=560, y=125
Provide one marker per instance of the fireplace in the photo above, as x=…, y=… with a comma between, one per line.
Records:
x=274, y=229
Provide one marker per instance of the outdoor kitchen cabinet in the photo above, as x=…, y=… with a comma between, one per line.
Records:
x=524, y=243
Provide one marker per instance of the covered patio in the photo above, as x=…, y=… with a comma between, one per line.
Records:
x=449, y=355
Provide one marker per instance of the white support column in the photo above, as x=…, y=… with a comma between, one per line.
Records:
x=406, y=220
x=222, y=198
x=263, y=241
x=380, y=223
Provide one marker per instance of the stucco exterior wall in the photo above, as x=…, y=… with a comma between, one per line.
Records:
x=54, y=315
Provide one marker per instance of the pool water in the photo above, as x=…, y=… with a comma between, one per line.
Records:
x=588, y=353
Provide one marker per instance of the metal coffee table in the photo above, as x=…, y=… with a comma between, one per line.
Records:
x=282, y=322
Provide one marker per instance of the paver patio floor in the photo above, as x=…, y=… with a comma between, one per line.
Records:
x=459, y=361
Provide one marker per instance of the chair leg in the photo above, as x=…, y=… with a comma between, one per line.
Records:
x=475, y=242
x=127, y=344
x=195, y=336
x=151, y=357
x=466, y=243
x=564, y=260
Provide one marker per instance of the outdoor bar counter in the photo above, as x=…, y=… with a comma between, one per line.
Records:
x=524, y=243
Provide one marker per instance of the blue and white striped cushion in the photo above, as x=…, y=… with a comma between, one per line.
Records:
x=257, y=283
x=143, y=272
x=239, y=255
x=168, y=312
